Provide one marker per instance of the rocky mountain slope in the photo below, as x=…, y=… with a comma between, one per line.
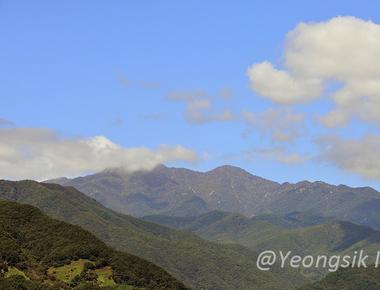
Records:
x=183, y=192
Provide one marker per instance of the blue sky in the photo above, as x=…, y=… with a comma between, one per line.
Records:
x=106, y=68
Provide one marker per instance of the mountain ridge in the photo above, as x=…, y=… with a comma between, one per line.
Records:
x=169, y=190
x=299, y=233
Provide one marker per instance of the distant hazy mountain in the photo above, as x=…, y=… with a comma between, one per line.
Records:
x=349, y=279
x=183, y=192
x=48, y=254
x=198, y=263
x=296, y=232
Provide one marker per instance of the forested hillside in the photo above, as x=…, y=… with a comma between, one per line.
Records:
x=51, y=253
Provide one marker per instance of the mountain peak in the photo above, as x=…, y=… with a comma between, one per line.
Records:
x=228, y=169
x=160, y=166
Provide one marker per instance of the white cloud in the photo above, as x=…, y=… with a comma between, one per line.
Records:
x=280, y=86
x=281, y=124
x=345, y=50
x=359, y=156
x=42, y=154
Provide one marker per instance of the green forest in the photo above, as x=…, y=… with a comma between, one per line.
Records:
x=35, y=251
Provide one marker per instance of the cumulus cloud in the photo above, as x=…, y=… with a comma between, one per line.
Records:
x=281, y=124
x=42, y=154
x=280, y=86
x=344, y=50
x=359, y=156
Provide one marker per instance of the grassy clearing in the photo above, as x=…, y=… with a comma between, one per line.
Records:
x=67, y=273
x=13, y=271
x=105, y=277
x=127, y=287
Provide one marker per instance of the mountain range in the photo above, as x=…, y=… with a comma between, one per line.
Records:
x=198, y=263
x=296, y=232
x=205, y=229
x=349, y=279
x=184, y=192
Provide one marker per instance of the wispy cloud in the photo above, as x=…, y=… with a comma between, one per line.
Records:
x=155, y=117
x=226, y=93
x=200, y=111
x=150, y=85
x=359, y=156
x=280, y=124
x=117, y=122
x=200, y=108
x=185, y=95
x=124, y=80
x=279, y=154
x=6, y=123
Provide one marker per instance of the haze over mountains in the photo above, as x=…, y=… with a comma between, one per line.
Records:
x=184, y=192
